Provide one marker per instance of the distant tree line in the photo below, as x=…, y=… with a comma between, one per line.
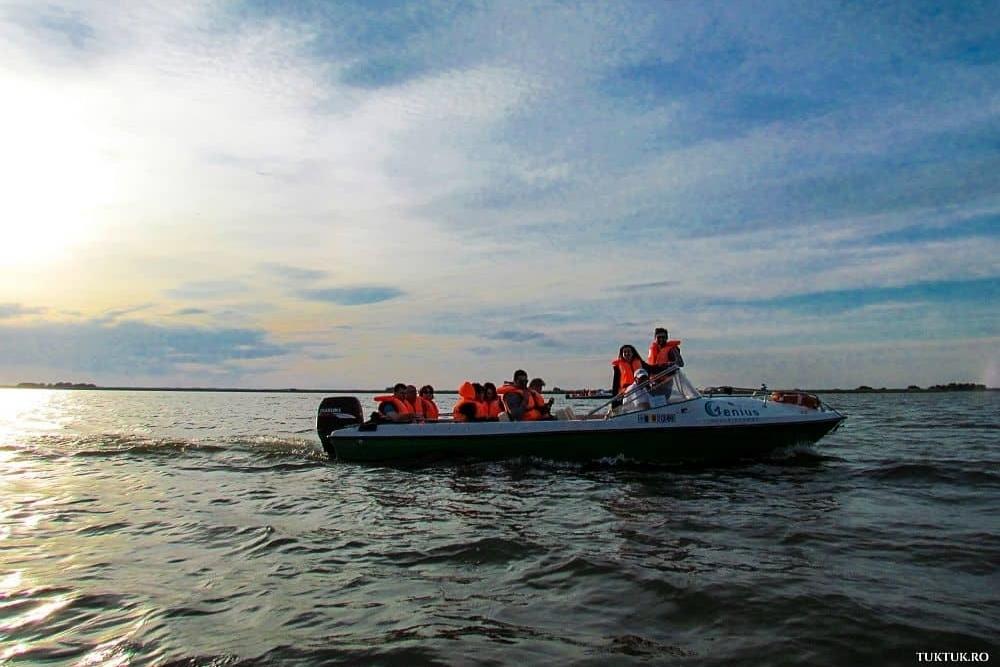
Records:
x=951, y=386
x=56, y=385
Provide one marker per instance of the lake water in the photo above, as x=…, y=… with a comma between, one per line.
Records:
x=209, y=529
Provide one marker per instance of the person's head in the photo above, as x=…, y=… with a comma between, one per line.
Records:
x=536, y=384
x=521, y=378
x=399, y=389
x=489, y=391
x=628, y=353
x=427, y=391
x=479, y=390
x=640, y=376
x=661, y=335
x=411, y=393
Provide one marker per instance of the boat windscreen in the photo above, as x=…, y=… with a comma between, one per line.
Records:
x=674, y=388
x=682, y=390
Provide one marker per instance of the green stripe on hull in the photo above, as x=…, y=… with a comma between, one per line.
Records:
x=678, y=444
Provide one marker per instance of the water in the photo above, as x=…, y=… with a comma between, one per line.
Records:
x=209, y=529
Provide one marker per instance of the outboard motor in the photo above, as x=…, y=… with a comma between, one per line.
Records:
x=336, y=412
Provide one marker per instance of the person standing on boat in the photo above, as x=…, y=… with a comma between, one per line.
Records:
x=663, y=351
x=518, y=400
x=431, y=411
x=625, y=366
x=394, y=407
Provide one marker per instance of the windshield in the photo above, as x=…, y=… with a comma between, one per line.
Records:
x=683, y=389
x=665, y=389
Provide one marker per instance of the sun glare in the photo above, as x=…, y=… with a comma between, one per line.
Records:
x=23, y=410
x=57, y=175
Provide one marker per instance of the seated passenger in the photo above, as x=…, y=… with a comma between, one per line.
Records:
x=415, y=402
x=637, y=396
x=540, y=404
x=394, y=407
x=517, y=398
x=431, y=411
x=491, y=402
x=469, y=407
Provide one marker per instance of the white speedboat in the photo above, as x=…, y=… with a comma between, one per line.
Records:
x=681, y=425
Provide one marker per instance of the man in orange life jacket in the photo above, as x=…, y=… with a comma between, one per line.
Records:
x=415, y=403
x=394, y=407
x=518, y=399
x=663, y=351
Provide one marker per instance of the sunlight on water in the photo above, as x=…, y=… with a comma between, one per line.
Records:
x=24, y=410
x=38, y=614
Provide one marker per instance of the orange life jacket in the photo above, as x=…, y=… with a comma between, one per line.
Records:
x=402, y=407
x=417, y=407
x=531, y=405
x=466, y=395
x=430, y=408
x=661, y=355
x=626, y=371
x=492, y=408
x=537, y=404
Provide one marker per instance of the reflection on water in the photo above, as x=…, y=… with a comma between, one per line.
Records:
x=145, y=527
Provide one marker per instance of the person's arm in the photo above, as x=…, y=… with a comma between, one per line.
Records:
x=388, y=410
x=616, y=381
x=676, y=357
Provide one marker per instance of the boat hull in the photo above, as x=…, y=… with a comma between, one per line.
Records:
x=676, y=435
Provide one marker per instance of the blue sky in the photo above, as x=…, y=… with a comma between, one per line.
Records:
x=313, y=194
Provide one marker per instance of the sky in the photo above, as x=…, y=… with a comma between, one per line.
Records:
x=349, y=194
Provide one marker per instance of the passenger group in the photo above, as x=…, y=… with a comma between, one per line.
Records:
x=521, y=400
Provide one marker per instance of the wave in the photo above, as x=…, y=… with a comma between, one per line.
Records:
x=945, y=472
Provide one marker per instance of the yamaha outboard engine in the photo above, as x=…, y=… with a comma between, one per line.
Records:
x=336, y=412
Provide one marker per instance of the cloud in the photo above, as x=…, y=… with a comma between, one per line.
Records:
x=112, y=315
x=352, y=296
x=208, y=290
x=588, y=170
x=293, y=274
x=984, y=293
x=11, y=310
x=522, y=336
x=132, y=348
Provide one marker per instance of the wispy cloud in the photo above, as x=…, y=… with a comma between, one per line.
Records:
x=10, y=310
x=208, y=290
x=353, y=296
x=132, y=348
x=293, y=274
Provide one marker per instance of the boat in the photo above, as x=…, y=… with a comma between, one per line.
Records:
x=589, y=393
x=682, y=425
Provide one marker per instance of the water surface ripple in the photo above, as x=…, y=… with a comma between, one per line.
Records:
x=209, y=529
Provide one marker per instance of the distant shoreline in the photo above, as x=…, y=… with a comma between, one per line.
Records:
x=88, y=387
